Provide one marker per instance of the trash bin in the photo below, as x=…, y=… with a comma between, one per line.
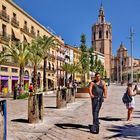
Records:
x=3, y=120
x=35, y=108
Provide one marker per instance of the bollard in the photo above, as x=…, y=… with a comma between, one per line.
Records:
x=61, y=98
x=35, y=108
x=3, y=120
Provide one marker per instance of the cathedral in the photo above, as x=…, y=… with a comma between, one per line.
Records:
x=102, y=39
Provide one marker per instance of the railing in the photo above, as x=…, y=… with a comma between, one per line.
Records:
x=60, y=50
x=4, y=36
x=33, y=33
x=25, y=29
x=14, y=22
x=4, y=16
x=52, y=56
x=60, y=58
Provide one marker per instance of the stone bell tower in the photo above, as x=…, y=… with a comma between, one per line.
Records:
x=102, y=39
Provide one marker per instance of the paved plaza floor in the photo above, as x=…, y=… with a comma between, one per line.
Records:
x=71, y=123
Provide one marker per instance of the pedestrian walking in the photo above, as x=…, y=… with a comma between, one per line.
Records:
x=15, y=92
x=75, y=86
x=31, y=87
x=97, y=91
x=130, y=105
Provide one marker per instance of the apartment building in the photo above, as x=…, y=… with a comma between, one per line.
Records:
x=18, y=26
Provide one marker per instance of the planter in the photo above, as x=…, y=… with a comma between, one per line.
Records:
x=61, y=99
x=82, y=92
x=35, y=108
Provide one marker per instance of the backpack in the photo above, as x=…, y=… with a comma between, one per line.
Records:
x=126, y=98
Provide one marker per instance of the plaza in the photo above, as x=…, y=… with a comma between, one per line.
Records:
x=71, y=123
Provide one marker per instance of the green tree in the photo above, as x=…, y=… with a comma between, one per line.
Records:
x=99, y=67
x=91, y=57
x=84, y=59
x=71, y=69
x=35, y=58
x=45, y=43
x=20, y=54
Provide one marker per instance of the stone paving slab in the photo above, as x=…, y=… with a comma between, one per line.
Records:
x=71, y=123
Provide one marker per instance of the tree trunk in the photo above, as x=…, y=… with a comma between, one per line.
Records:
x=44, y=75
x=35, y=78
x=35, y=108
x=84, y=79
x=21, y=80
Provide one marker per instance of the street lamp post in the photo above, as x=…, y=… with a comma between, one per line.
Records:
x=131, y=43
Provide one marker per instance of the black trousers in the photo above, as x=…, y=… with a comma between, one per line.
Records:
x=15, y=95
x=96, y=105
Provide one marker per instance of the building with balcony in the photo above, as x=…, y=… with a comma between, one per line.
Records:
x=18, y=26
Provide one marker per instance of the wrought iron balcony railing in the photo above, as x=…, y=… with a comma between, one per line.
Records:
x=14, y=22
x=4, y=16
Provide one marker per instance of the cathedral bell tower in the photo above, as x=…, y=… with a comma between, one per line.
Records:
x=102, y=39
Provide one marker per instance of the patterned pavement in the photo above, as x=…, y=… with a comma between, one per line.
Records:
x=71, y=123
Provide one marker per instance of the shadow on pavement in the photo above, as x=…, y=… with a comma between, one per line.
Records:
x=128, y=131
x=137, y=112
x=73, y=126
x=110, y=119
x=52, y=107
x=20, y=120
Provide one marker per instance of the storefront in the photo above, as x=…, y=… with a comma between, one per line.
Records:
x=4, y=84
x=14, y=82
x=26, y=83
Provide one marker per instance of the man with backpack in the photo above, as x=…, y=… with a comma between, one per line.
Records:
x=97, y=92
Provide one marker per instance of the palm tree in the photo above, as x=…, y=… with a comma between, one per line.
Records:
x=35, y=59
x=20, y=54
x=45, y=43
x=71, y=69
x=3, y=58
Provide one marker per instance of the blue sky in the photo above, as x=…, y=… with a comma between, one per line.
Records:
x=71, y=18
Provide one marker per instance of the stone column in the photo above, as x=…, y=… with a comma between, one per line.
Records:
x=10, y=84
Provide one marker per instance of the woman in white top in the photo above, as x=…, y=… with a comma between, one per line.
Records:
x=130, y=106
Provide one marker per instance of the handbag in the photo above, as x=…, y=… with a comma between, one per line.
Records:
x=126, y=98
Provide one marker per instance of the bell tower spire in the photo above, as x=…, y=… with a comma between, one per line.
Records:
x=101, y=16
x=102, y=39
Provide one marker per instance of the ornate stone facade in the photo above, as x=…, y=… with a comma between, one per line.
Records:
x=102, y=39
x=121, y=66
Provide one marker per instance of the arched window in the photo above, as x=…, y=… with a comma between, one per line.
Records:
x=49, y=66
x=26, y=73
x=106, y=34
x=52, y=66
x=94, y=35
x=100, y=34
